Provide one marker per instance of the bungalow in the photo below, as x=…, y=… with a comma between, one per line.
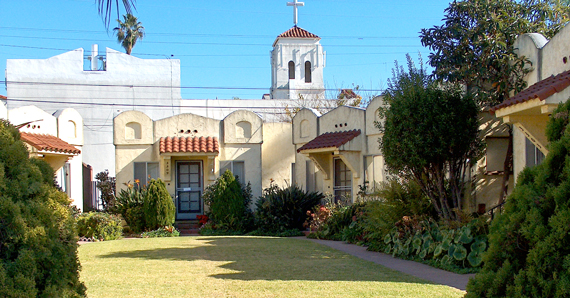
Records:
x=530, y=109
x=57, y=139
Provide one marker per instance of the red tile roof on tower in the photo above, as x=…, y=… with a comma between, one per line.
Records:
x=331, y=139
x=3, y=97
x=296, y=32
x=189, y=144
x=44, y=142
x=541, y=90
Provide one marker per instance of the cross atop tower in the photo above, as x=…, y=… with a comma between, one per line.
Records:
x=295, y=4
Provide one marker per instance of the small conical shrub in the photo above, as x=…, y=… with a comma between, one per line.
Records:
x=228, y=203
x=158, y=205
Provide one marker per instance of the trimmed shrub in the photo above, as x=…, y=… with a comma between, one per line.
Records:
x=99, y=225
x=228, y=203
x=281, y=209
x=529, y=251
x=158, y=206
x=38, y=238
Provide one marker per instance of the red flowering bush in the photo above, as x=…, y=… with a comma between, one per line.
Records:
x=202, y=219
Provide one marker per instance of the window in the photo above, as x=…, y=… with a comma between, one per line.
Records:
x=144, y=171
x=236, y=167
x=310, y=176
x=342, y=181
x=293, y=180
x=66, y=173
x=533, y=155
x=307, y=72
x=291, y=70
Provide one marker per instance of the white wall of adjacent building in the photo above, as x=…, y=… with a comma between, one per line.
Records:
x=98, y=91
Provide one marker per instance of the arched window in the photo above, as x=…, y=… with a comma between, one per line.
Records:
x=133, y=131
x=305, y=128
x=291, y=70
x=308, y=72
x=243, y=130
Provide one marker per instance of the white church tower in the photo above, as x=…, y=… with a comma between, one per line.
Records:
x=297, y=62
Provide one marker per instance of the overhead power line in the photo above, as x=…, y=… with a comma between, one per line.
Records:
x=269, y=110
x=170, y=87
x=150, y=33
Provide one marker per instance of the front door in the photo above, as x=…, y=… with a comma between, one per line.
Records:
x=189, y=189
x=342, y=181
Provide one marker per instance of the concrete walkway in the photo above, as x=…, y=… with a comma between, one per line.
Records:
x=458, y=281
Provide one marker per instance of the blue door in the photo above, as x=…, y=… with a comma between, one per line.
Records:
x=189, y=190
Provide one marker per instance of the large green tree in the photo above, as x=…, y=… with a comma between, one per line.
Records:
x=128, y=32
x=474, y=46
x=38, y=240
x=430, y=135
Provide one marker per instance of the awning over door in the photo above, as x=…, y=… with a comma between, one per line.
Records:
x=345, y=144
x=530, y=109
x=52, y=149
x=187, y=146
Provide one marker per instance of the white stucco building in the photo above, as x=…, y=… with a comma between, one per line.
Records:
x=57, y=139
x=98, y=86
x=297, y=62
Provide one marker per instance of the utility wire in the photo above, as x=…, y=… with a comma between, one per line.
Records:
x=169, y=87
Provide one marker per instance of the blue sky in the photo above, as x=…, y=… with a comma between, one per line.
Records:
x=224, y=46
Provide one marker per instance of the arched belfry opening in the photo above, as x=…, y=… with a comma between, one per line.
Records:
x=308, y=78
x=291, y=70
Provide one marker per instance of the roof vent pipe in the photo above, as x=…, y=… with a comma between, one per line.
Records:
x=94, y=54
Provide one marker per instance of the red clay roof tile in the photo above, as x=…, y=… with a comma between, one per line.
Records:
x=189, y=144
x=331, y=139
x=296, y=32
x=541, y=90
x=44, y=142
x=3, y=97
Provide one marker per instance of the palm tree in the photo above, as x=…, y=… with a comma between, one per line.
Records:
x=128, y=32
x=105, y=8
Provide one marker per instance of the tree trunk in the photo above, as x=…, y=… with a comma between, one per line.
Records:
x=507, y=168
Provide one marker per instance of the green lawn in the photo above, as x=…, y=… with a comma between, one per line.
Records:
x=239, y=267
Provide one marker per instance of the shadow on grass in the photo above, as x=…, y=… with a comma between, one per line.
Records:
x=272, y=259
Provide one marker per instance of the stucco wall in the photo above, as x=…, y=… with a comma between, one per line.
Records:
x=126, y=156
x=305, y=126
x=250, y=154
x=278, y=153
x=41, y=122
x=243, y=127
x=343, y=119
x=186, y=125
x=3, y=110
